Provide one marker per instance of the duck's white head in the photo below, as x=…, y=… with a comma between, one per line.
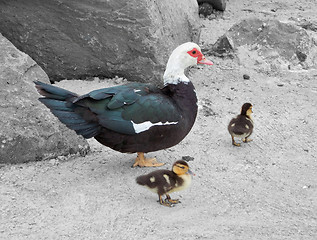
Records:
x=184, y=56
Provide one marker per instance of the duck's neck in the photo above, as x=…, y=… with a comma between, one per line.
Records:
x=179, y=88
x=172, y=78
x=184, y=95
x=250, y=117
x=174, y=73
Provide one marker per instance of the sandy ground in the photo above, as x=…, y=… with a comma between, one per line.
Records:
x=265, y=189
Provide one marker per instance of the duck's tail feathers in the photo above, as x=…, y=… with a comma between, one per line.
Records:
x=53, y=92
x=60, y=102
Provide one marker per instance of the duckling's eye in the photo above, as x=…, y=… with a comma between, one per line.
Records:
x=181, y=167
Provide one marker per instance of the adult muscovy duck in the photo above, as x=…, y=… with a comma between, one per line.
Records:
x=135, y=117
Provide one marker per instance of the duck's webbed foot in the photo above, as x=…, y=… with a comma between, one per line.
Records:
x=165, y=202
x=247, y=140
x=234, y=142
x=141, y=161
x=173, y=201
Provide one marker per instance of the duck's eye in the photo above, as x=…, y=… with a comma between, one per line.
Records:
x=195, y=53
x=181, y=167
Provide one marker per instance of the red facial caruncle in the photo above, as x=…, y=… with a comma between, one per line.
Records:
x=195, y=53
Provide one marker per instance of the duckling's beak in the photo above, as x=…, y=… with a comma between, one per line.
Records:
x=191, y=173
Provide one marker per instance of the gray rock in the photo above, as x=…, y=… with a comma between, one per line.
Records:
x=78, y=39
x=217, y=4
x=205, y=9
x=29, y=132
x=308, y=25
x=224, y=47
x=268, y=45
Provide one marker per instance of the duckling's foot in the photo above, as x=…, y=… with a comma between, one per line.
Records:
x=165, y=202
x=247, y=140
x=236, y=144
x=173, y=201
x=141, y=161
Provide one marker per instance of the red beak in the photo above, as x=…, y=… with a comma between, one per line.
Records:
x=205, y=61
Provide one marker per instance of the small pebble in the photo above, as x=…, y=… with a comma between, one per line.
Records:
x=54, y=162
x=187, y=158
x=246, y=76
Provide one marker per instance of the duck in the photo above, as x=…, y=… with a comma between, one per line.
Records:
x=164, y=182
x=134, y=117
x=242, y=125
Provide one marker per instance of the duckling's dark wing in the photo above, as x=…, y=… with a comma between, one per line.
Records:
x=153, y=179
x=161, y=180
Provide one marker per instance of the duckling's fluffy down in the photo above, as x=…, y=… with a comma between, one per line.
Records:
x=160, y=181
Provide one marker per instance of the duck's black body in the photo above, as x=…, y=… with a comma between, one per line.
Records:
x=114, y=115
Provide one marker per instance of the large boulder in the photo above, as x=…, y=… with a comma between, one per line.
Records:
x=29, y=132
x=78, y=39
x=268, y=45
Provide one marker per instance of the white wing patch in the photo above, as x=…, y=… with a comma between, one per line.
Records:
x=141, y=127
x=167, y=178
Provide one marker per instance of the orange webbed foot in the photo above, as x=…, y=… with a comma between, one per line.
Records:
x=141, y=161
x=165, y=202
x=234, y=143
x=246, y=140
x=173, y=201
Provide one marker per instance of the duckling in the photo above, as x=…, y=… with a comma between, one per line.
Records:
x=242, y=125
x=166, y=181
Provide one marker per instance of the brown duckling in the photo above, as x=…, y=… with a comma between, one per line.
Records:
x=166, y=181
x=242, y=125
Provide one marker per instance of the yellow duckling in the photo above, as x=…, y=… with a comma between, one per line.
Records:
x=242, y=125
x=166, y=181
